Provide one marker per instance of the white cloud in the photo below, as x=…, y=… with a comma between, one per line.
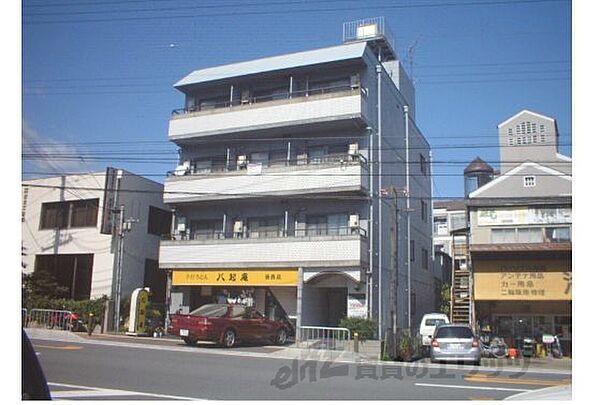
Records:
x=47, y=153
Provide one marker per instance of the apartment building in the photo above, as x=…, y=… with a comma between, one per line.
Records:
x=283, y=195
x=70, y=228
x=520, y=235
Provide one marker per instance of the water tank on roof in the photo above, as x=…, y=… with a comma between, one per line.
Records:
x=477, y=174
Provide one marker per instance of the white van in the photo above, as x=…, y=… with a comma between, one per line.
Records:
x=428, y=325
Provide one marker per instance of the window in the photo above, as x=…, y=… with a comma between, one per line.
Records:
x=159, y=221
x=265, y=227
x=424, y=212
x=529, y=181
x=71, y=272
x=562, y=234
x=423, y=162
x=206, y=229
x=69, y=214
x=332, y=224
x=424, y=259
x=517, y=235
x=441, y=227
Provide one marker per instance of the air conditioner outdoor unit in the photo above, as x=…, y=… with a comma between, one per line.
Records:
x=183, y=168
x=353, y=149
x=302, y=159
x=181, y=224
x=238, y=226
x=242, y=161
x=245, y=96
x=353, y=221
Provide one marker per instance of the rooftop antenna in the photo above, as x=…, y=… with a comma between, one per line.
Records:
x=411, y=58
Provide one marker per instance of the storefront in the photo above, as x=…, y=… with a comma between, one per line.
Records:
x=522, y=296
x=270, y=291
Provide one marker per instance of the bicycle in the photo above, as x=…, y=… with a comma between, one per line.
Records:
x=496, y=348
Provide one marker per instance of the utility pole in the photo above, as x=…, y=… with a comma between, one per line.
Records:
x=394, y=274
x=407, y=195
x=124, y=225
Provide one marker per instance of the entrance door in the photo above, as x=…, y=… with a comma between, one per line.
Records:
x=336, y=305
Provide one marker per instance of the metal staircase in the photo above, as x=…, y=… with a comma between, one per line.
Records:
x=462, y=285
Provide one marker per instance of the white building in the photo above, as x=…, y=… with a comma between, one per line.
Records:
x=277, y=194
x=67, y=230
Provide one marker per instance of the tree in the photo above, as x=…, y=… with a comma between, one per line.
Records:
x=42, y=284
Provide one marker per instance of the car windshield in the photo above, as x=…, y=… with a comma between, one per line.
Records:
x=215, y=310
x=435, y=321
x=457, y=332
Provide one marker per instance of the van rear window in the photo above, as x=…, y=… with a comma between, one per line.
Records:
x=435, y=321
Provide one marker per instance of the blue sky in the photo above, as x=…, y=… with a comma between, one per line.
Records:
x=102, y=71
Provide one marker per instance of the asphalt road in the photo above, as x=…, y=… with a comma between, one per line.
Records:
x=109, y=370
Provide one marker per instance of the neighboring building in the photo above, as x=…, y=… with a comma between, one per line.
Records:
x=520, y=236
x=450, y=241
x=68, y=231
x=279, y=158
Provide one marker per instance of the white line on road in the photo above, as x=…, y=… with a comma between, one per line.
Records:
x=472, y=387
x=84, y=391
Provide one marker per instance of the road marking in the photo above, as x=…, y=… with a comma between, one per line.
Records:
x=61, y=347
x=519, y=381
x=81, y=391
x=472, y=387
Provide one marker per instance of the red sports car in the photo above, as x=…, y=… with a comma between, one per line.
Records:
x=226, y=324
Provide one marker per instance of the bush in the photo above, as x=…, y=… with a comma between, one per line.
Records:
x=365, y=328
x=408, y=346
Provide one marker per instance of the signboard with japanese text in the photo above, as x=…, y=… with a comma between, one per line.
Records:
x=357, y=307
x=523, y=216
x=235, y=277
x=523, y=286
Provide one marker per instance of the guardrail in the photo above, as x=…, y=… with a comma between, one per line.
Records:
x=48, y=318
x=322, y=338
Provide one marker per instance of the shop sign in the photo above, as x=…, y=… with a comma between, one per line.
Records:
x=523, y=216
x=234, y=277
x=523, y=286
x=356, y=306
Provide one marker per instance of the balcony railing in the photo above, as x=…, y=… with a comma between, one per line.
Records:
x=264, y=234
x=224, y=170
x=266, y=98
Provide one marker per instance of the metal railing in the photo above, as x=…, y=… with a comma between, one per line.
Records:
x=368, y=28
x=322, y=338
x=265, y=98
x=223, y=170
x=48, y=318
x=268, y=234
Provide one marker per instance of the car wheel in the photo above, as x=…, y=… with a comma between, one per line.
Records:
x=281, y=337
x=229, y=338
x=189, y=341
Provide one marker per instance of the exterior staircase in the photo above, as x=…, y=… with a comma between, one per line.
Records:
x=462, y=286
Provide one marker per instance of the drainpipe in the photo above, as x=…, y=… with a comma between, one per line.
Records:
x=371, y=238
x=380, y=234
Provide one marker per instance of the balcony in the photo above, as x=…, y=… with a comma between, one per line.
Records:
x=327, y=174
x=340, y=106
x=339, y=250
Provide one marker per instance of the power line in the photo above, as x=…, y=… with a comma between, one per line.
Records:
x=257, y=195
x=297, y=11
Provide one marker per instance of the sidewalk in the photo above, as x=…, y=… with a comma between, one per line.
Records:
x=291, y=352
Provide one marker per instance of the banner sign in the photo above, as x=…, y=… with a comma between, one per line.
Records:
x=235, y=277
x=356, y=306
x=523, y=286
x=523, y=216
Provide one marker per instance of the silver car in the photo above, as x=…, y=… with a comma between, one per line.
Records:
x=455, y=342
